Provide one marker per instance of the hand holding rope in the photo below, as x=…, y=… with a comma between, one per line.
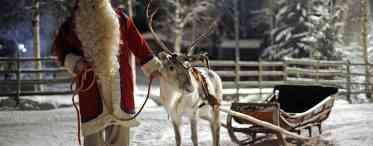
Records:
x=80, y=78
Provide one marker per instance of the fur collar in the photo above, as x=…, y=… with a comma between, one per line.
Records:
x=98, y=29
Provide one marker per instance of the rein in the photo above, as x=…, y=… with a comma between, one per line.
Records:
x=76, y=91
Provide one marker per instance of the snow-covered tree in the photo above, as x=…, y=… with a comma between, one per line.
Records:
x=370, y=34
x=325, y=27
x=303, y=28
x=254, y=18
x=185, y=20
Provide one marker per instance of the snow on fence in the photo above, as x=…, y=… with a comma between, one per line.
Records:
x=263, y=75
x=255, y=77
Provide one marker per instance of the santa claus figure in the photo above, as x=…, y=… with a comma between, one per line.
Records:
x=102, y=39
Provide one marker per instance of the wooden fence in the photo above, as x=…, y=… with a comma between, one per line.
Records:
x=263, y=74
x=18, y=78
x=252, y=75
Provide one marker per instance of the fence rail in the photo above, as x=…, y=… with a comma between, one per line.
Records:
x=264, y=74
x=18, y=80
x=252, y=74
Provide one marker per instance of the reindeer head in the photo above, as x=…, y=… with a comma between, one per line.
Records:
x=175, y=70
x=176, y=67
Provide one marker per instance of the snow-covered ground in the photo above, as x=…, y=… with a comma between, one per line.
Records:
x=349, y=125
x=58, y=128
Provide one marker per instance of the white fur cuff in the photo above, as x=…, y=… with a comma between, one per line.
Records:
x=70, y=61
x=151, y=66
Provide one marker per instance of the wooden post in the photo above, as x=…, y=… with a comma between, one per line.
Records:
x=260, y=77
x=276, y=122
x=18, y=76
x=370, y=84
x=237, y=49
x=364, y=38
x=285, y=71
x=348, y=78
x=36, y=39
x=317, y=70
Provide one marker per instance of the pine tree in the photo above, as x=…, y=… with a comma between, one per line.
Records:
x=303, y=28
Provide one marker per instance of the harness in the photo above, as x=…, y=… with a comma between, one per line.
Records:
x=211, y=99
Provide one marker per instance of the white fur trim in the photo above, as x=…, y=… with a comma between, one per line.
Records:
x=98, y=29
x=151, y=66
x=71, y=61
x=103, y=121
x=116, y=96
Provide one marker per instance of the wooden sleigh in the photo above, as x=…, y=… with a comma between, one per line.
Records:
x=292, y=107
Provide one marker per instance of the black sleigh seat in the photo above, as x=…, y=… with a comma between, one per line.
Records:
x=303, y=106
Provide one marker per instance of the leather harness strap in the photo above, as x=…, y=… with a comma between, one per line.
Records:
x=211, y=99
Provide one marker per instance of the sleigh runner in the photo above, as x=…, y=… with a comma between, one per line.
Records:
x=292, y=107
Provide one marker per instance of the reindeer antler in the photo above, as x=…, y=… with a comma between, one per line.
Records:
x=200, y=57
x=150, y=25
x=203, y=36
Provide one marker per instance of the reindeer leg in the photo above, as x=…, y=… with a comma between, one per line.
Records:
x=194, y=129
x=215, y=126
x=176, y=125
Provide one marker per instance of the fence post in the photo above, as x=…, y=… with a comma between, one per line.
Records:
x=317, y=71
x=18, y=76
x=237, y=48
x=260, y=77
x=237, y=80
x=348, y=85
x=370, y=84
x=285, y=71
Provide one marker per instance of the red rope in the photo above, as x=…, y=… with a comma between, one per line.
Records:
x=76, y=91
x=78, y=120
x=81, y=88
x=143, y=105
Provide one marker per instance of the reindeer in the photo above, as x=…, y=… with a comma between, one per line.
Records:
x=186, y=90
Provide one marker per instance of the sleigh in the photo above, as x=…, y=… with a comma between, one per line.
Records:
x=292, y=107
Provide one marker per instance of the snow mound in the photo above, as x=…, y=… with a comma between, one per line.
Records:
x=25, y=104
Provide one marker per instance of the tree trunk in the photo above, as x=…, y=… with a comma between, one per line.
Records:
x=364, y=36
x=130, y=7
x=370, y=9
x=237, y=49
x=179, y=27
x=36, y=37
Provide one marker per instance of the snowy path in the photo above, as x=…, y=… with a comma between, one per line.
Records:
x=349, y=125
x=57, y=128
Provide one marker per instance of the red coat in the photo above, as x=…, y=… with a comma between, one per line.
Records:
x=67, y=42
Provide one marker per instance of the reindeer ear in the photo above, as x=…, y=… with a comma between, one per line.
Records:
x=163, y=56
